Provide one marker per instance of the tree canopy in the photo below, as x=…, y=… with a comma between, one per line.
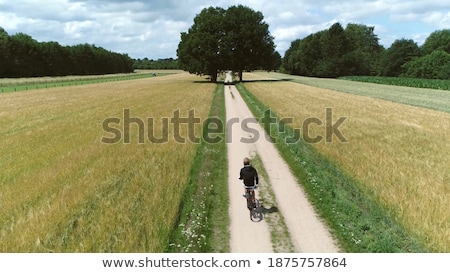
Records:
x=355, y=50
x=438, y=40
x=236, y=38
x=400, y=52
x=334, y=52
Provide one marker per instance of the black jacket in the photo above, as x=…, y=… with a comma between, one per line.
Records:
x=249, y=175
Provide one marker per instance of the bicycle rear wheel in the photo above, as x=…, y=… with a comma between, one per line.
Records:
x=256, y=213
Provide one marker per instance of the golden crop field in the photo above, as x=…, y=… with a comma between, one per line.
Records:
x=399, y=153
x=63, y=190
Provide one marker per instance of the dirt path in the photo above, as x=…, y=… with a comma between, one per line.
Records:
x=307, y=232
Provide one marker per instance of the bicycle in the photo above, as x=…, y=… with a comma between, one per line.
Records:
x=253, y=204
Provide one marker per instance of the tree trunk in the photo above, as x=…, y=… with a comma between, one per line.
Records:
x=213, y=77
x=240, y=75
x=213, y=74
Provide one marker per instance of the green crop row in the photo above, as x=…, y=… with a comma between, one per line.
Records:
x=410, y=82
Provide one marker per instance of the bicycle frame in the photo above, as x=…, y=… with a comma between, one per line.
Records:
x=253, y=204
x=250, y=195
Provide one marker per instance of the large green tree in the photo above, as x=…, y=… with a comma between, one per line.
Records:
x=25, y=55
x=364, y=50
x=236, y=38
x=334, y=46
x=200, y=50
x=438, y=40
x=435, y=65
x=399, y=53
x=5, y=55
x=335, y=52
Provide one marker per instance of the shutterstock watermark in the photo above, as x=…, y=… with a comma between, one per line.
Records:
x=125, y=128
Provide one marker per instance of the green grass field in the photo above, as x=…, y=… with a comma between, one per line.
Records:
x=423, y=97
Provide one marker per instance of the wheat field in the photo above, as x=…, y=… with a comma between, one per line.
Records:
x=399, y=153
x=63, y=190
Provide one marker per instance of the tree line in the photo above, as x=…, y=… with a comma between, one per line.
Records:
x=167, y=63
x=355, y=50
x=22, y=56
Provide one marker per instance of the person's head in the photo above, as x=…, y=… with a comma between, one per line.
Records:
x=246, y=161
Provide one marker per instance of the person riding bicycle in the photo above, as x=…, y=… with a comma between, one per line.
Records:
x=249, y=174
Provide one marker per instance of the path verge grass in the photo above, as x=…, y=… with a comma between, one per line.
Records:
x=359, y=222
x=203, y=219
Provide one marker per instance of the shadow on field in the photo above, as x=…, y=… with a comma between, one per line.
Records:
x=206, y=81
x=268, y=80
x=244, y=81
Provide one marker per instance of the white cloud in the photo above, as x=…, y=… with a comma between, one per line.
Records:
x=10, y=21
x=437, y=18
x=77, y=30
x=407, y=17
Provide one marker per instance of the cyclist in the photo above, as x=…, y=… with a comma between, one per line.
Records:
x=250, y=176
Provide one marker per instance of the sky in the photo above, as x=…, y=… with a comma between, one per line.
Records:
x=151, y=28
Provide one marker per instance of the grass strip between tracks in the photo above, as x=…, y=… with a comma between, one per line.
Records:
x=280, y=237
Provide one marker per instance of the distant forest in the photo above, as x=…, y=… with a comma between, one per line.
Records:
x=168, y=63
x=22, y=56
x=355, y=51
